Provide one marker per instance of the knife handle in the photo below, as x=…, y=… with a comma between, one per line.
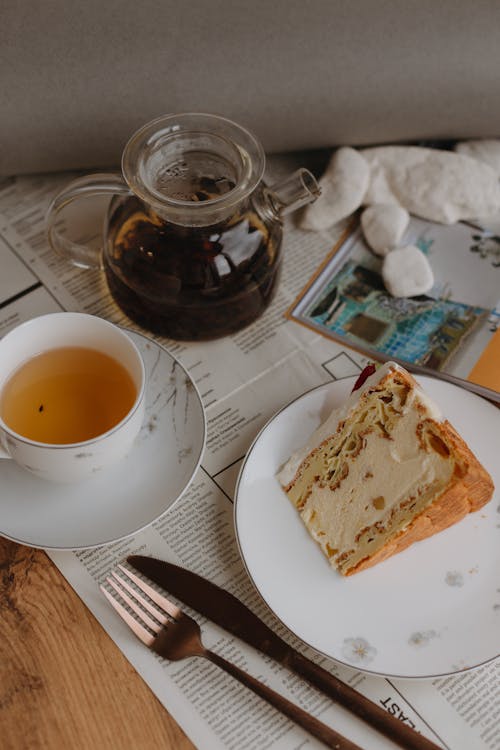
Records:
x=328, y=736
x=357, y=703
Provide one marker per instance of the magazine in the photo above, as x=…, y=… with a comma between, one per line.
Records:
x=452, y=332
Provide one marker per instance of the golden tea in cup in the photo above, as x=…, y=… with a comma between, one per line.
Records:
x=67, y=395
x=72, y=396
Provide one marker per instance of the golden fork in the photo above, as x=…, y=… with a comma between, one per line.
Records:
x=173, y=634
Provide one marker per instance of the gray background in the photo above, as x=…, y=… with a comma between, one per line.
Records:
x=76, y=79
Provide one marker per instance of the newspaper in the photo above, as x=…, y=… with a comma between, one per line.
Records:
x=236, y=378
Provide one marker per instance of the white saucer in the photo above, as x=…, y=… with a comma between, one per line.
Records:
x=127, y=497
x=432, y=610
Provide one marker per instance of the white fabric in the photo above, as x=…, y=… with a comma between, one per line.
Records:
x=486, y=150
x=441, y=186
x=343, y=185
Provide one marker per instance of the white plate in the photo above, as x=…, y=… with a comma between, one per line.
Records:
x=127, y=497
x=431, y=610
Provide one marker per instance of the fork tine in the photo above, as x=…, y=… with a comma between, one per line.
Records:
x=145, y=603
x=160, y=600
x=146, y=619
x=143, y=634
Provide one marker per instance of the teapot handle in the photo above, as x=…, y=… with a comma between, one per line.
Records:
x=90, y=185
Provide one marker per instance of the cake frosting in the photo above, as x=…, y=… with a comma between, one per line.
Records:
x=384, y=470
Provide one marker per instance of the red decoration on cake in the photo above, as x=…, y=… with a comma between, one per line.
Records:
x=368, y=370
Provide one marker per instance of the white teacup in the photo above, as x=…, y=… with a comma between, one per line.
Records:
x=71, y=462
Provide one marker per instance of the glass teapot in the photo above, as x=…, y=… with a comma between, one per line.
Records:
x=192, y=235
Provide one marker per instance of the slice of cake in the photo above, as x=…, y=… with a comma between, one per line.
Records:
x=383, y=471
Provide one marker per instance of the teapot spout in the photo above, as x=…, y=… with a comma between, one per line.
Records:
x=295, y=191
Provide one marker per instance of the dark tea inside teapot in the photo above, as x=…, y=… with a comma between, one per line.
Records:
x=192, y=237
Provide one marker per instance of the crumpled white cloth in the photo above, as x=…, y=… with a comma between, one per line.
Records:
x=441, y=186
x=343, y=185
x=486, y=150
x=395, y=181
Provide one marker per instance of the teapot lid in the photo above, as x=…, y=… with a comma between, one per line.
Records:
x=193, y=168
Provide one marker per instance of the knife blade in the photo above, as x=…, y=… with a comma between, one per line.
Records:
x=225, y=610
